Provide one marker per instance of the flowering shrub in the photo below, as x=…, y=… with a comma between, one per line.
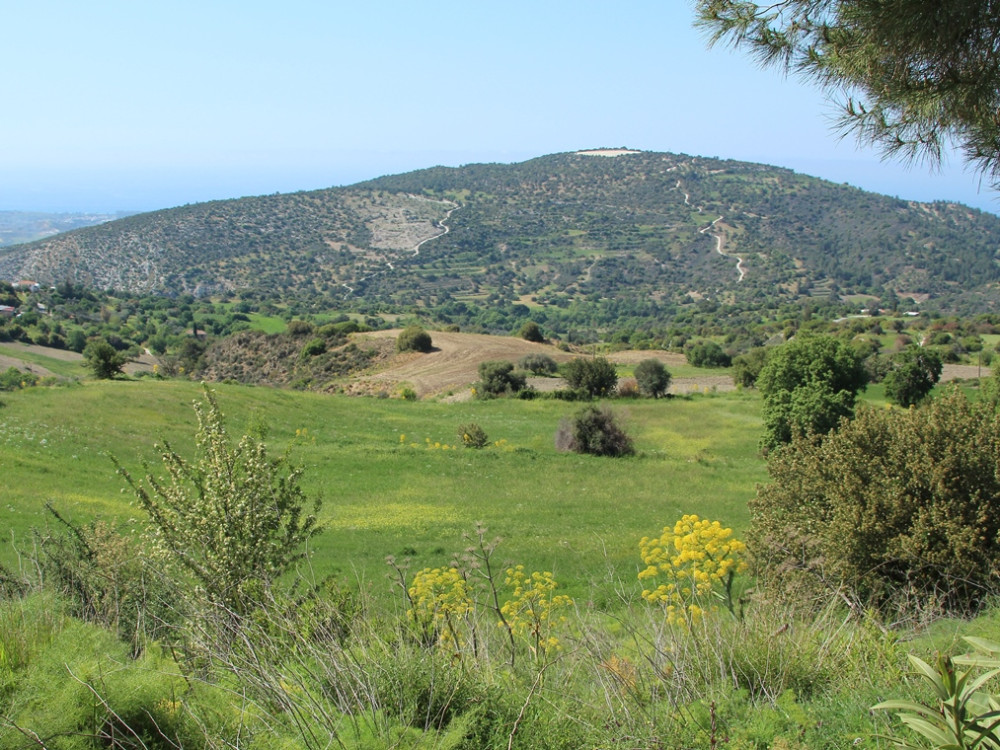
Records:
x=473, y=436
x=699, y=559
x=439, y=598
x=529, y=612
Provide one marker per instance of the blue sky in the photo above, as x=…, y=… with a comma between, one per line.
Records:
x=136, y=106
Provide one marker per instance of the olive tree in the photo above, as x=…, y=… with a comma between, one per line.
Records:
x=653, y=377
x=595, y=377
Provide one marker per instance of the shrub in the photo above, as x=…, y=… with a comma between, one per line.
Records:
x=234, y=520
x=707, y=354
x=531, y=331
x=596, y=377
x=413, y=339
x=628, y=388
x=314, y=348
x=13, y=379
x=539, y=364
x=892, y=504
x=747, y=367
x=498, y=378
x=299, y=327
x=652, y=377
x=596, y=432
x=473, y=436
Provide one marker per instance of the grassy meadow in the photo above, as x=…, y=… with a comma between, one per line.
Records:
x=393, y=475
x=395, y=480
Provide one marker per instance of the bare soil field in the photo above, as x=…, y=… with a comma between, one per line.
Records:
x=453, y=366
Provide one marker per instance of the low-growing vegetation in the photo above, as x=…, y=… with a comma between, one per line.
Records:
x=226, y=607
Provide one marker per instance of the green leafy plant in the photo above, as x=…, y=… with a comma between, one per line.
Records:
x=963, y=716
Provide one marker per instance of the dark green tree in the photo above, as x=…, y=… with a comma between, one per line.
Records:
x=653, y=377
x=911, y=75
x=747, y=367
x=808, y=386
x=595, y=377
x=915, y=371
x=104, y=360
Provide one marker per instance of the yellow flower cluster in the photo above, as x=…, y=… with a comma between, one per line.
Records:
x=439, y=596
x=697, y=557
x=429, y=445
x=529, y=612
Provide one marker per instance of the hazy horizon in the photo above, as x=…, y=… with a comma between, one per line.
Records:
x=118, y=106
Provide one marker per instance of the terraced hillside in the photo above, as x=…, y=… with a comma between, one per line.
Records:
x=637, y=233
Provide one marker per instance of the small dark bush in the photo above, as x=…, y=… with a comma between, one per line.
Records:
x=414, y=339
x=595, y=431
x=314, y=348
x=531, y=331
x=539, y=364
x=473, y=436
x=707, y=354
x=498, y=378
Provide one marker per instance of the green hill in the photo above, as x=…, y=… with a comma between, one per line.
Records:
x=639, y=234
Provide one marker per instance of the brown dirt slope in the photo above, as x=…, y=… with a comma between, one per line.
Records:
x=453, y=365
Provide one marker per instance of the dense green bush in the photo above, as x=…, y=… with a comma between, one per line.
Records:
x=13, y=379
x=414, y=339
x=539, y=364
x=747, y=367
x=596, y=377
x=531, y=331
x=892, y=505
x=498, y=378
x=808, y=385
x=300, y=327
x=652, y=377
x=314, y=348
x=707, y=354
x=596, y=431
x=472, y=435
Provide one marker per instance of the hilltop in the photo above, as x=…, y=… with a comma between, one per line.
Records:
x=638, y=235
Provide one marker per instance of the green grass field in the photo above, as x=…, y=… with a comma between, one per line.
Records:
x=386, y=494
